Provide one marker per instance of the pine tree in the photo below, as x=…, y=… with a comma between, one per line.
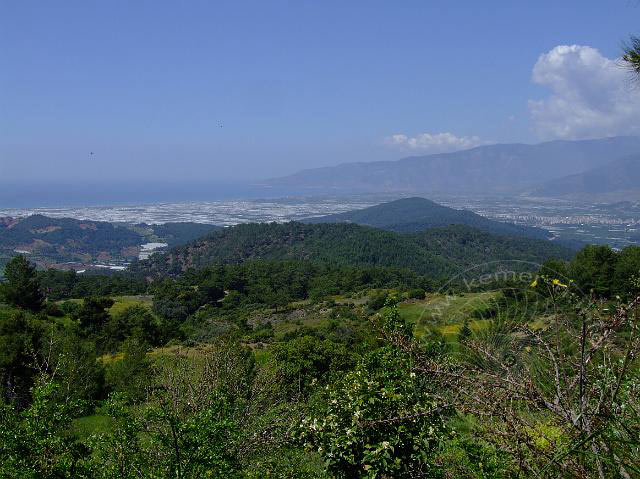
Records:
x=22, y=288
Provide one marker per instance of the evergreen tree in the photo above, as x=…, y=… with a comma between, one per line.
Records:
x=22, y=288
x=465, y=332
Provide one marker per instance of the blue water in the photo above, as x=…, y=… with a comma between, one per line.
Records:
x=82, y=193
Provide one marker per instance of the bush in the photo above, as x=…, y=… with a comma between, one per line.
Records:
x=417, y=293
x=379, y=420
x=377, y=300
x=52, y=309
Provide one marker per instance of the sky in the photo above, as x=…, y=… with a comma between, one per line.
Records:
x=228, y=91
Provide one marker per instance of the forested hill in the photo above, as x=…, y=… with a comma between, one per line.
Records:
x=38, y=233
x=175, y=234
x=409, y=215
x=435, y=252
x=54, y=242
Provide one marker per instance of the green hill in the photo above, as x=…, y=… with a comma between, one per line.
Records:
x=58, y=236
x=50, y=241
x=409, y=215
x=437, y=252
x=175, y=234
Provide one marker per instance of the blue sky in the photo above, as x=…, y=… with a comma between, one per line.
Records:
x=238, y=90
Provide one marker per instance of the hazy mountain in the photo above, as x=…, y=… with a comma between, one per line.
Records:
x=437, y=251
x=410, y=215
x=509, y=167
x=618, y=176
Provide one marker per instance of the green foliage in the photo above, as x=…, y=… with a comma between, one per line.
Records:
x=627, y=272
x=305, y=361
x=53, y=309
x=22, y=288
x=192, y=306
x=416, y=293
x=119, y=453
x=34, y=443
x=465, y=332
x=471, y=457
x=377, y=300
x=176, y=300
x=436, y=252
x=19, y=338
x=189, y=426
x=555, y=268
x=66, y=233
x=599, y=270
x=287, y=463
x=631, y=55
x=380, y=420
x=464, y=247
x=93, y=315
x=133, y=322
x=161, y=443
x=175, y=234
x=260, y=354
x=68, y=284
x=60, y=240
x=392, y=323
x=593, y=268
x=130, y=375
x=72, y=360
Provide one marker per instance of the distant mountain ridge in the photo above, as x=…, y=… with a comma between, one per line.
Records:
x=411, y=215
x=496, y=168
x=621, y=175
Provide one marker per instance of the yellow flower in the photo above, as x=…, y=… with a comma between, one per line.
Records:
x=556, y=282
x=534, y=283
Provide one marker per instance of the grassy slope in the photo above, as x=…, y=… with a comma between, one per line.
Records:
x=445, y=314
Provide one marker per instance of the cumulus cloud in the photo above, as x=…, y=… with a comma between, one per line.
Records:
x=591, y=95
x=435, y=142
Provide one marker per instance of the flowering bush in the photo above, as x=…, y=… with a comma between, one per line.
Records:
x=381, y=419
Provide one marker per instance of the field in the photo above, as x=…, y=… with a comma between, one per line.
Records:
x=123, y=302
x=446, y=314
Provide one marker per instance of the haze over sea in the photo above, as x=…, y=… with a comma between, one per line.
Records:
x=222, y=212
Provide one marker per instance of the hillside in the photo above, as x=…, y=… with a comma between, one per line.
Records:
x=437, y=252
x=58, y=237
x=410, y=215
x=175, y=234
x=618, y=176
x=507, y=167
x=54, y=242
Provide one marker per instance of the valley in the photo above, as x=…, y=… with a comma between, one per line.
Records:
x=615, y=223
x=320, y=240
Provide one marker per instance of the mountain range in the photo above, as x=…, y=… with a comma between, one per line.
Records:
x=618, y=176
x=506, y=168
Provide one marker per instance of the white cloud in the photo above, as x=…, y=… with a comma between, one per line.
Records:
x=591, y=95
x=435, y=142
